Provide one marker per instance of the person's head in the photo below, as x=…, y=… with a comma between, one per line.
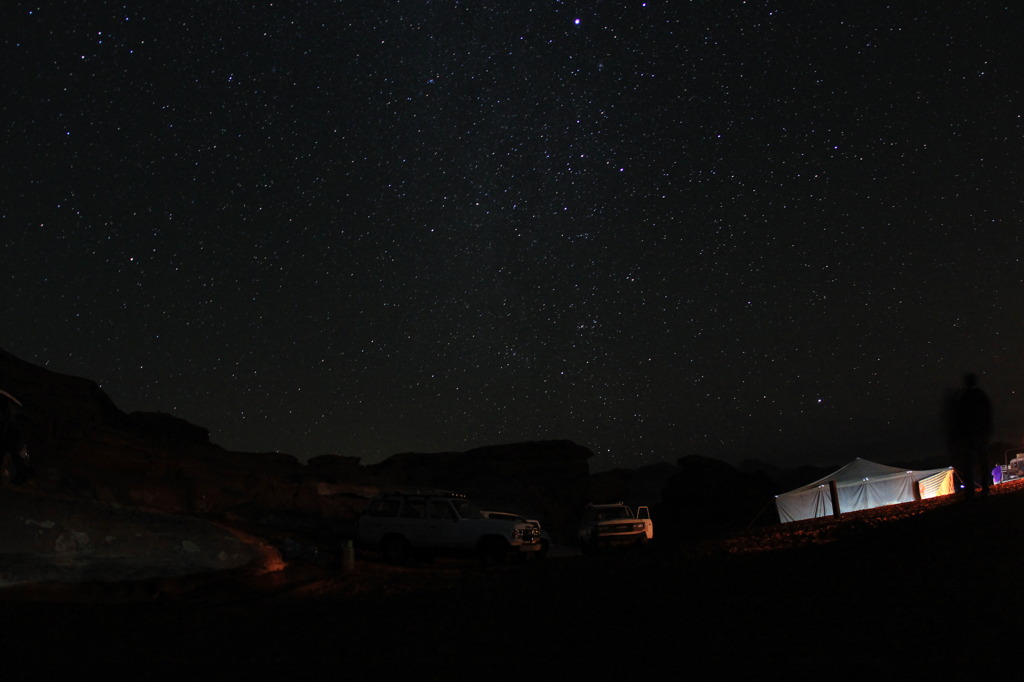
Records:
x=970, y=380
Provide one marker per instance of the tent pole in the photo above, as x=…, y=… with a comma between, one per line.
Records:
x=759, y=515
x=834, y=491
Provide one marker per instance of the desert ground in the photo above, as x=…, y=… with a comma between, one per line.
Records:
x=926, y=589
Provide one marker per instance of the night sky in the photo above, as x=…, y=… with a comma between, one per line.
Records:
x=774, y=230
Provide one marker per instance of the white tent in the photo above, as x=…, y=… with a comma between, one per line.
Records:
x=863, y=485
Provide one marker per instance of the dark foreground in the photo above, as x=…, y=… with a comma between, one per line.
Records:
x=882, y=595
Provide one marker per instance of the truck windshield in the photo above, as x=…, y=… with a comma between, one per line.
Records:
x=610, y=513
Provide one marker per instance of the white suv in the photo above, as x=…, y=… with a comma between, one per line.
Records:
x=401, y=524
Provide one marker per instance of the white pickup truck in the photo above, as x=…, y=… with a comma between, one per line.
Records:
x=403, y=524
x=606, y=525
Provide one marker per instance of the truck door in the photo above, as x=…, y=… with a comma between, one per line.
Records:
x=412, y=522
x=444, y=524
x=644, y=514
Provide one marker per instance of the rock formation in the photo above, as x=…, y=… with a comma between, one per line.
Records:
x=707, y=497
x=84, y=448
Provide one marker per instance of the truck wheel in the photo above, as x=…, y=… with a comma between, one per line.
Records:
x=394, y=549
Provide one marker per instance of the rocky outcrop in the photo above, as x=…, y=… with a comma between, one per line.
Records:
x=56, y=540
x=83, y=447
x=635, y=487
x=708, y=497
x=169, y=429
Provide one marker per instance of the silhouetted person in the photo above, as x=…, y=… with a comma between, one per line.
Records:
x=968, y=429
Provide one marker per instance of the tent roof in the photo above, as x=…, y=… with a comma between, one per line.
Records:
x=860, y=470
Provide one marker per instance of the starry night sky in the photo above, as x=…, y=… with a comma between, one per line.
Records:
x=777, y=230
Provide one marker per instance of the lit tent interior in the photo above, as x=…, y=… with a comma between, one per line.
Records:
x=863, y=485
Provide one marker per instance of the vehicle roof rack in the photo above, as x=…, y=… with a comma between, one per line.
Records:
x=422, y=492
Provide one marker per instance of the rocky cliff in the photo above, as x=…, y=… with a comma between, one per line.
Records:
x=83, y=447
